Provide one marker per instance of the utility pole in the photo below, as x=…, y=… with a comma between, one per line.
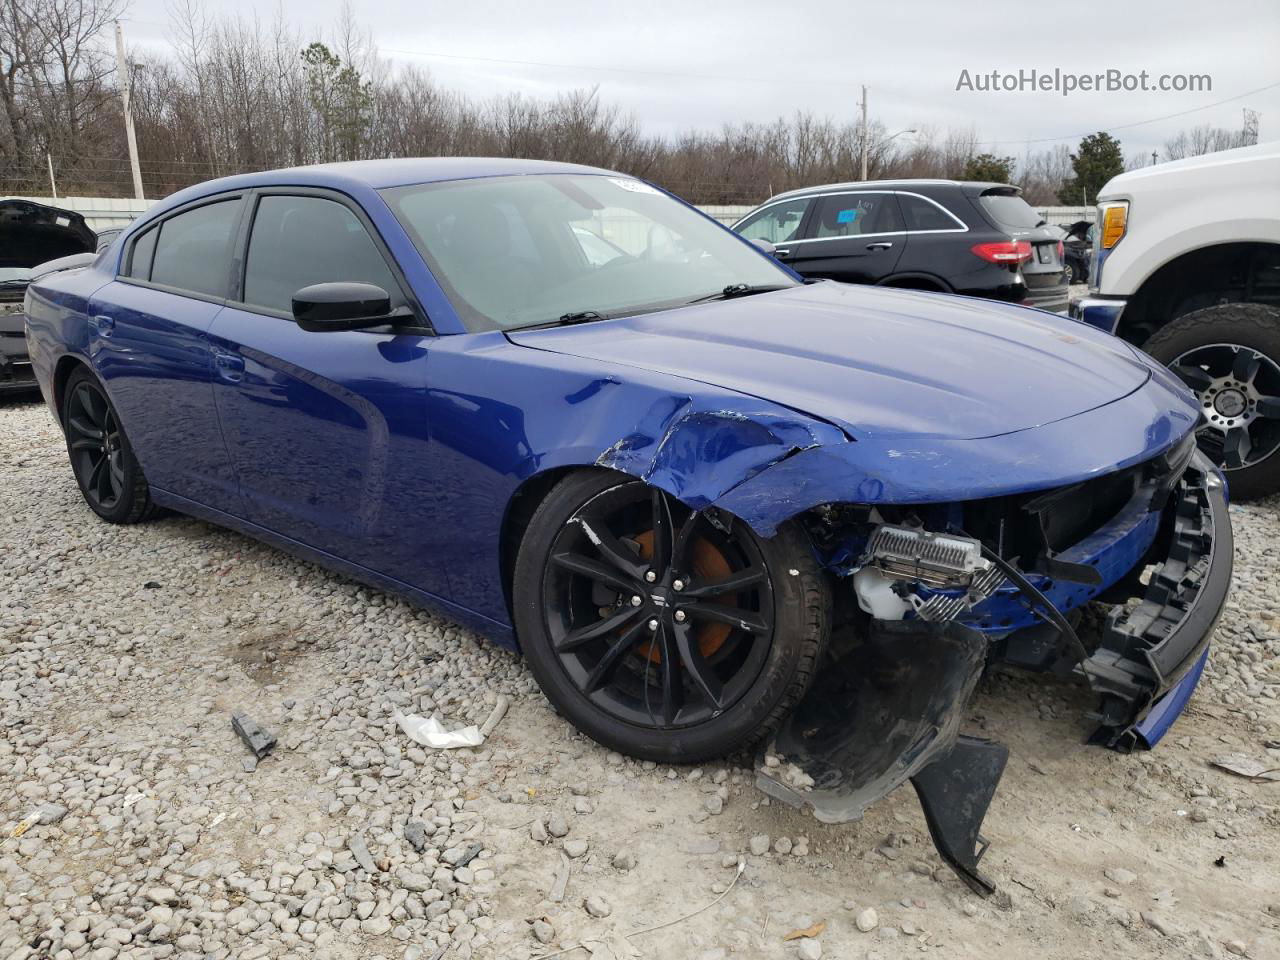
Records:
x=866, y=140
x=123, y=78
x=53, y=186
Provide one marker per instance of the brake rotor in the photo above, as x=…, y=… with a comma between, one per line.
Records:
x=709, y=565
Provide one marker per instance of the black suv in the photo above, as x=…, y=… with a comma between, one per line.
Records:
x=978, y=239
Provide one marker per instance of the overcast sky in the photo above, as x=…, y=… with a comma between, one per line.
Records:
x=680, y=64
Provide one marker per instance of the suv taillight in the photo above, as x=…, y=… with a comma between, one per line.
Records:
x=1062, y=251
x=1008, y=251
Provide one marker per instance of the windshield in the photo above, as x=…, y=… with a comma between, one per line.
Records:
x=526, y=250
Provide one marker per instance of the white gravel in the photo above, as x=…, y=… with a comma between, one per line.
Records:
x=124, y=652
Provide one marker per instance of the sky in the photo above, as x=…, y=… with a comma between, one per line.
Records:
x=681, y=64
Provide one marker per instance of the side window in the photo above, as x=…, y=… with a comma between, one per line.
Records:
x=194, y=249
x=776, y=224
x=856, y=214
x=921, y=214
x=298, y=241
x=144, y=249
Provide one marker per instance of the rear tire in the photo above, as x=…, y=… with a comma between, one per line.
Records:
x=108, y=474
x=606, y=558
x=1230, y=356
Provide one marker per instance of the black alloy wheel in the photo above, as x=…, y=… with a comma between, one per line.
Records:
x=102, y=460
x=661, y=630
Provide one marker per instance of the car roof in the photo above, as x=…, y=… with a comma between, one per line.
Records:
x=969, y=186
x=397, y=172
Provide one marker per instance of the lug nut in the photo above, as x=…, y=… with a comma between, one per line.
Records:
x=678, y=585
x=653, y=625
x=650, y=576
x=681, y=616
x=636, y=601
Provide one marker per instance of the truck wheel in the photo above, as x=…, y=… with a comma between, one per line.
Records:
x=665, y=633
x=1230, y=356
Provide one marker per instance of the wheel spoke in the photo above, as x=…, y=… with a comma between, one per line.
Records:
x=96, y=477
x=594, y=570
x=612, y=549
x=603, y=670
x=662, y=531
x=1236, y=445
x=592, y=631
x=86, y=444
x=684, y=537
x=672, y=687
x=703, y=674
x=1268, y=408
x=117, y=476
x=84, y=428
x=742, y=619
x=1245, y=365
x=734, y=583
x=1196, y=378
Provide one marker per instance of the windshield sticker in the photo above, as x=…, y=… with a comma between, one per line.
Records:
x=846, y=216
x=635, y=186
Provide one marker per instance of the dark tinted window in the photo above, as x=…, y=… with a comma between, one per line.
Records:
x=855, y=214
x=1010, y=211
x=140, y=260
x=195, y=247
x=298, y=241
x=922, y=214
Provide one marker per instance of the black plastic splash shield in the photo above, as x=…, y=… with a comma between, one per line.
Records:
x=886, y=712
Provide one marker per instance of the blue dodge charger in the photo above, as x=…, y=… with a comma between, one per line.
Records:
x=713, y=505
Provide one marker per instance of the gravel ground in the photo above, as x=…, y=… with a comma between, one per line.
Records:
x=124, y=651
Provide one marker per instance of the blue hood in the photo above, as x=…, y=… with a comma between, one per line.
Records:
x=878, y=363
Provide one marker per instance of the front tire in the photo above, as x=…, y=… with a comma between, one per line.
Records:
x=1230, y=356
x=108, y=474
x=665, y=633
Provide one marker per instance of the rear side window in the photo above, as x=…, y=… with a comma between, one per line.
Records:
x=144, y=249
x=298, y=241
x=1010, y=211
x=776, y=224
x=922, y=214
x=856, y=214
x=194, y=249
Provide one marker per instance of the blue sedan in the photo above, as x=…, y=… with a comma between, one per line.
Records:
x=712, y=504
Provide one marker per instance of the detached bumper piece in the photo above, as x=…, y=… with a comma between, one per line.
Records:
x=1147, y=651
x=889, y=711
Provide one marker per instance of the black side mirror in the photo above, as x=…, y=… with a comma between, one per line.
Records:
x=765, y=246
x=343, y=306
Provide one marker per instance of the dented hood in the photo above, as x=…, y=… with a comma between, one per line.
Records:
x=878, y=363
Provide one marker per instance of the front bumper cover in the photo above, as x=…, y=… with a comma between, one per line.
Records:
x=890, y=709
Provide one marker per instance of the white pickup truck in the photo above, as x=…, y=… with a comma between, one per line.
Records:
x=1186, y=264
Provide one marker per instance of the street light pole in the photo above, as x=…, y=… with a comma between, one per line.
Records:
x=866, y=140
x=123, y=78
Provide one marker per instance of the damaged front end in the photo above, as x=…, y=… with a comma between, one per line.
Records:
x=934, y=592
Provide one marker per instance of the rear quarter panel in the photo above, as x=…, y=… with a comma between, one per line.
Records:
x=58, y=324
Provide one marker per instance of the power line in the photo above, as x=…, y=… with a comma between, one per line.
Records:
x=1137, y=123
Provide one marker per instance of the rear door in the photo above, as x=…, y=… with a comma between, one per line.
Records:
x=935, y=242
x=329, y=431
x=150, y=345
x=853, y=237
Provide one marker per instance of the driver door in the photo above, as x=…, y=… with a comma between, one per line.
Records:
x=328, y=431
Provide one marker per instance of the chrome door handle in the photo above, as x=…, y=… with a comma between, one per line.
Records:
x=230, y=367
x=779, y=252
x=102, y=324
x=880, y=245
